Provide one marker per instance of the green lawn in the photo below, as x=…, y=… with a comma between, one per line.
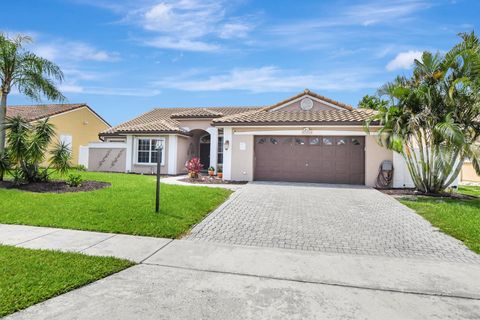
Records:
x=31, y=276
x=458, y=218
x=128, y=206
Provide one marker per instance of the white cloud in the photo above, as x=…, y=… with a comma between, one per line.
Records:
x=375, y=12
x=59, y=50
x=181, y=44
x=365, y=14
x=271, y=79
x=70, y=88
x=234, y=30
x=132, y=92
x=404, y=60
x=191, y=25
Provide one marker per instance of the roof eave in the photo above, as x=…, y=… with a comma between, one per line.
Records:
x=195, y=117
x=124, y=133
x=291, y=123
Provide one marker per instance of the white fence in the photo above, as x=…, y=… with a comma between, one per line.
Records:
x=401, y=176
x=83, y=156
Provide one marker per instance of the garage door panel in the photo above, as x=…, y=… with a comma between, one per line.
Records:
x=310, y=159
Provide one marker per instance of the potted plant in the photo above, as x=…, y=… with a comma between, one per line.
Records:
x=193, y=167
x=211, y=171
x=220, y=172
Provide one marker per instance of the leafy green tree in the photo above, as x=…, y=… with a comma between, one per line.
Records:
x=372, y=102
x=433, y=117
x=28, y=146
x=30, y=74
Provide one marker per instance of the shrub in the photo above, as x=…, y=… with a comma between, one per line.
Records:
x=81, y=167
x=28, y=145
x=194, y=166
x=74, y=180
x=4, y=164
x=17, y=176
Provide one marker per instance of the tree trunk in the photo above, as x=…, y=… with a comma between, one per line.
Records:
x=3, y=114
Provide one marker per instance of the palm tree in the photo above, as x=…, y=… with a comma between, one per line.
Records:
x=433, y=118
x=30, y=74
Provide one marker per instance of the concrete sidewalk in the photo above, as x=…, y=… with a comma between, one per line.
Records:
x=129, y=247
x=184, y=279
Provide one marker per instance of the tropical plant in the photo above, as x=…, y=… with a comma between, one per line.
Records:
x=4, y=164
x=31, y=75
x=433, y=118
x=74, y=180
x=28, y=145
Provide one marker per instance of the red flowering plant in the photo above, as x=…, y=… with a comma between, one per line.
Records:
x=194, y=166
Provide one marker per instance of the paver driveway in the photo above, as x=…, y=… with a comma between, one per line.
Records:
x=327, y=218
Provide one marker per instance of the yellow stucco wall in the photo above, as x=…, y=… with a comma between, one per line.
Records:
x=82, y=124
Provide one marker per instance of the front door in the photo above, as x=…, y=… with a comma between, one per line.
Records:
x=205, y=155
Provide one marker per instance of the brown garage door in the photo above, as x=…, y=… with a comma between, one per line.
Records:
x=323, y=159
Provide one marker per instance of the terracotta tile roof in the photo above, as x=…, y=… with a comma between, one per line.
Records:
x=41, y=111
x=35, y=112
x=197, y=113
x=312, y=94
x=263, y=117
x=164, y=119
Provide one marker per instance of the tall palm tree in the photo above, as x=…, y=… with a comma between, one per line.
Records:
x=433, y=119
x=30, y=74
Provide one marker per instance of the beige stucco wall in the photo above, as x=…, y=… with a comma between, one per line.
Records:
x=468, y=173
x=195, y=124
x=184, y=153
x=107, y=159
x=243, y=160
x=82, y=124
x=374, y=155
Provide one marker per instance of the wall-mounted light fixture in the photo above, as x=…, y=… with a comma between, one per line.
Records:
x=307, y=131
x=226, y=144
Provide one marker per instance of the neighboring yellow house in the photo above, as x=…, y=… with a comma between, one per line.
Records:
x=75, y=124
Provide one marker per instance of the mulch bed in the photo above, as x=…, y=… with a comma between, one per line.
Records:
x=406, y=192
x=54, y=186
x=210, y=180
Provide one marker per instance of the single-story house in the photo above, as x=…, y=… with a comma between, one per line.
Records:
x=307, y=137
x=75, y=124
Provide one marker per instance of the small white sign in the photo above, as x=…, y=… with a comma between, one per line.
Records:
x=243, y=146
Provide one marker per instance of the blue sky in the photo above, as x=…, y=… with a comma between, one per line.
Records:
x=126, y=57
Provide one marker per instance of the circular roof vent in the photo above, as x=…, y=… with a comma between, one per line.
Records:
x=306, y=104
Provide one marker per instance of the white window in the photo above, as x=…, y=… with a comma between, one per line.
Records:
x=146, y=150
x=220, y=147
x=220, y=150
x=66, y=140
